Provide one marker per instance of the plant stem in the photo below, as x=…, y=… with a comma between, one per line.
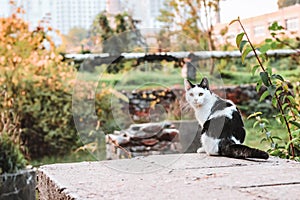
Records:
x=286, y=44
x=251, y=45
x=286, y=124
x=270, y=82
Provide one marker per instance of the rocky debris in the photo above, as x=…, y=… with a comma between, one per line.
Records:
x=143, y=139
x=149, y=105
x=170, y=134
x=242, y=93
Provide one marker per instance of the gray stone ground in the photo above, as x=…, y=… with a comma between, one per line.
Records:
x=174, y=176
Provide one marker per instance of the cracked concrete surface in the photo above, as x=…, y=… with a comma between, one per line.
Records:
x=174, y=176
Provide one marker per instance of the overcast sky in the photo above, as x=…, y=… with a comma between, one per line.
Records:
x=231, y=9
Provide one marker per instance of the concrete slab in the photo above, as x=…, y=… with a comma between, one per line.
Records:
x=175, y=176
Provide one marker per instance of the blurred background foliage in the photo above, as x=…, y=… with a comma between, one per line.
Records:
x=36, y=88
x=36, y=85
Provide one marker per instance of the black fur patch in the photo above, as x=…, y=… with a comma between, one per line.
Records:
x=228, y=148
x=204, y=84
x=220, y=104
x=191, y=84
x=224, y=127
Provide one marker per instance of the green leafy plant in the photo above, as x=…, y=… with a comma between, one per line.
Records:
x=106, y=117
x=11, y=157
x=283, y=98
x=265, y=128
x=37, y=85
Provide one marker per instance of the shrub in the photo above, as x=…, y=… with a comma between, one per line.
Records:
x=96, y=113
x=11, y=158
x=36, y=84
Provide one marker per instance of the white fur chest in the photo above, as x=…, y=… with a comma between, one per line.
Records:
x=202, y=114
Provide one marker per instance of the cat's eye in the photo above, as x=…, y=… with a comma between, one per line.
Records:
x=200, y=94
x=191, y=94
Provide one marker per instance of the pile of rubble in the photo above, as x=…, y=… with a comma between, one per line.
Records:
x=142, y=140
x=144, y=102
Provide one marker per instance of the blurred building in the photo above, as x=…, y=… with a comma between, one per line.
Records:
x=67, y=14
x=145, y=11
x=36, y=10
x=257, y=27
x=60, y=14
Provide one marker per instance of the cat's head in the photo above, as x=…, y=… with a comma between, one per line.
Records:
x=197, y=94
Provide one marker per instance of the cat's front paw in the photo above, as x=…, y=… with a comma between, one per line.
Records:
x=201, y=150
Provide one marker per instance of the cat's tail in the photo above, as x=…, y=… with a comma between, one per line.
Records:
x=240, y=151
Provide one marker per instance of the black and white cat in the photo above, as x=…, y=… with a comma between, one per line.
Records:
x=222, y=126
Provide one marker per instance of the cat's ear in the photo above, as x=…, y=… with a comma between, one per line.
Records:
x=188, y=85
x=204, y=83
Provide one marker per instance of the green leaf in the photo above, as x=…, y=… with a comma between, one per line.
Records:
x=284, y=106
x=272, y=90
x=265, y=78
x=277, y=138
x=235, y=20
x=264, y=57
x=288, y=117
x=263, y=140
x=295, y=111
x=264, y=95
x=279, y=91
x=277, y=76
x=294, y=140
x=285, y=86
x=255, y=124
x=274, y=45
x=239, y=38
x=265, y=120
x=245, y=53
x=269, y=70
x=268, y=40
x=254, y=69
x=295, y=123
x=263, y=49
x=275, y=27
x=296, y=132
x=291, y=99
x=242, y=45
x=254, y=115
x=258, y=85
x=281, y=118
x=274, y=102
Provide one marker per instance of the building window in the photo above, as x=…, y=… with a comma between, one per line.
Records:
x=259, y=31
x=292, y=24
